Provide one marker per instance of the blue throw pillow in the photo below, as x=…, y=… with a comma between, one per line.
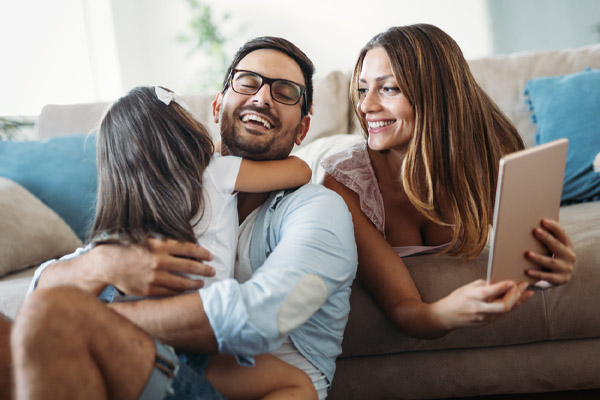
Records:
x=569, y=107
x=61, y=172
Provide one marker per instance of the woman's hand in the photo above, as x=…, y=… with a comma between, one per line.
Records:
x=558, y=267
x=158, y=271
x=478, y=303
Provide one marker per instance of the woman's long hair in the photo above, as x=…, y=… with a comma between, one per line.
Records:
x=460, y=133
x=151, y=157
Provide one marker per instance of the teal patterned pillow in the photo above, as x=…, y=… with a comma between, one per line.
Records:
x=61, y=172
x=569, y=107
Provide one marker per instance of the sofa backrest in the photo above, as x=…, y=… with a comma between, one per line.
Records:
x=330, y=112
x=503, y=78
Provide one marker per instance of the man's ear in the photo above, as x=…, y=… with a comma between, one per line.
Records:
x=305, y=124
x=216, y=107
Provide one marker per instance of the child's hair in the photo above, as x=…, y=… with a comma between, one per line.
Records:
x=151, y=157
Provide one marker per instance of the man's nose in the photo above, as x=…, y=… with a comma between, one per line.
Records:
x=263, y=96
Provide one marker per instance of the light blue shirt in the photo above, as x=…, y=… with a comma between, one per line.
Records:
x=304, y=259
x=303, y=256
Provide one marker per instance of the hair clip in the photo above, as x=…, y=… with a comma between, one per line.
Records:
x=167, y=97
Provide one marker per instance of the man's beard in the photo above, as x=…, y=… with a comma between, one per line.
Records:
x=277, y=147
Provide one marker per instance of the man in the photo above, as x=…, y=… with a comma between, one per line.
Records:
x=296, y=251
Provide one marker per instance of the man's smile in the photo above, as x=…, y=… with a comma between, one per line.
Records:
x=255, y=119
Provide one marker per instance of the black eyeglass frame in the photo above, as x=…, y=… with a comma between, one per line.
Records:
x=270, y=82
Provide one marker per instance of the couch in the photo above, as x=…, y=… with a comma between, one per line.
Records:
x=551, y=343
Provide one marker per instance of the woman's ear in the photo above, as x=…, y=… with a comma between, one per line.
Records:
x=216, y=107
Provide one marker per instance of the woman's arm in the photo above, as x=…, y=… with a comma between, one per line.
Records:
x=388, y=280
x=265, y=176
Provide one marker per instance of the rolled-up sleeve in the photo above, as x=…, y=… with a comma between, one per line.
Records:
x=304, y=254
x=43, y=266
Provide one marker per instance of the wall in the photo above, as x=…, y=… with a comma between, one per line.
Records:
x=59, y=51
x=519, y=25
x=68, y=51
x=330, y=32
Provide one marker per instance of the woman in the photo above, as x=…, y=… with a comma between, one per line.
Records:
x=425, y=180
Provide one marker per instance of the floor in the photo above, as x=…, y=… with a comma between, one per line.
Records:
x=573, y=395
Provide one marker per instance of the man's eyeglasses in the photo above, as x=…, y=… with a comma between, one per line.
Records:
x=282, y=91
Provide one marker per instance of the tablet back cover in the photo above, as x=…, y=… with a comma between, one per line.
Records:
x=529, y=189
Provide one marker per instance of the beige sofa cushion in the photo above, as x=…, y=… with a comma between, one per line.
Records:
x=571, y=311
x=30, y=232
x=330, y=107
x=13, y=288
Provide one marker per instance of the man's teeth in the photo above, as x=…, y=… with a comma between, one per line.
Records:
x=252, y=117
x=379, y=124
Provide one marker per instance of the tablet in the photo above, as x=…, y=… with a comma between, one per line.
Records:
x=529, y=189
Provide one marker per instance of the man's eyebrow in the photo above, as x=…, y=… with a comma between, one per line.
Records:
x=379, y=78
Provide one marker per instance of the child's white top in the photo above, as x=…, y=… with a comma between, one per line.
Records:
x=217, y=230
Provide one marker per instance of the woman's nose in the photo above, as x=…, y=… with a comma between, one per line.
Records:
x=369, y=103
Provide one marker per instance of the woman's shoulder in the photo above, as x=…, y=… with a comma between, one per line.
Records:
x=352, y=168
x=355, y=156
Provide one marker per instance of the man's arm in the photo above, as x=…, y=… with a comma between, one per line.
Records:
x=314, y=256
x=67, y=271
x=308, y=262
x=179, y=321
x=314, y=259
x=134, y=270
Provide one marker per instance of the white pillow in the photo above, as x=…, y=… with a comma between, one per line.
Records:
x=30, y=232
x=315, y=152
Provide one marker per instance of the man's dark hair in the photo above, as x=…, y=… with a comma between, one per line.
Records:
x=284, y=46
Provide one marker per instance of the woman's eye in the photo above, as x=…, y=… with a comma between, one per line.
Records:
x=390, y=89
x=362, y=92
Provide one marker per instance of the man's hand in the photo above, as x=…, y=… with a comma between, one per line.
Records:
x=134, y=270
x=158, y=271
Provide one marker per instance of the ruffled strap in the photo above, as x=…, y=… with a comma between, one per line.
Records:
x=352, y=168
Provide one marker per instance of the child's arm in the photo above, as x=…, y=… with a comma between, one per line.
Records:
x=218, y=148
x=265, y=176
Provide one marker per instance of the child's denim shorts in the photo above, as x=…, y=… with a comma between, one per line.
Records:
x=178, y=376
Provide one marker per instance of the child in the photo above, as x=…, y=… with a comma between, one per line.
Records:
x=158, y=175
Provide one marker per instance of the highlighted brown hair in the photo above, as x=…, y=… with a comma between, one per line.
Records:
x=460, y=133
